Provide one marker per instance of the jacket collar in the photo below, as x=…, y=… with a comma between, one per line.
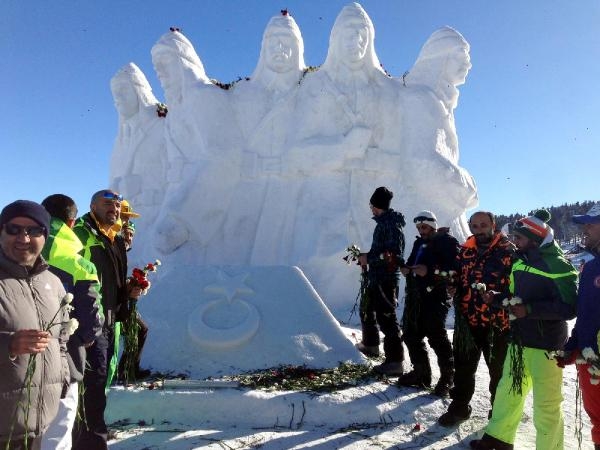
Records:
x=17, y=271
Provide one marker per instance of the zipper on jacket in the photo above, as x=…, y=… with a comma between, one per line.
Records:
x=42, y=325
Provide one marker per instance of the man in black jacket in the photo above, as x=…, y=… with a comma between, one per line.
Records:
x=428, y=270
x=98, y=232
x=386, y=252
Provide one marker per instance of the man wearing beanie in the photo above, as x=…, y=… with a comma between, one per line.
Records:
x=543, y=289
x=383, y=260
x=427, y=303
x=30, y=297
x=103, y=246
x=586, y=332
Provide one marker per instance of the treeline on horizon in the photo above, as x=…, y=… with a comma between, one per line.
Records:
x=564, y=229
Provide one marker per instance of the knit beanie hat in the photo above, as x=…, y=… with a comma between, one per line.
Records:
x=535, y=227
x=26, y=208
x=381, y=198
x=426, y=217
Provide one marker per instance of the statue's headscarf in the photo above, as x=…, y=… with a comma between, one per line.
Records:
x=131, y=74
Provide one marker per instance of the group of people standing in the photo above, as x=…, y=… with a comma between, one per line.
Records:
x=512, y=295
x=52, y=266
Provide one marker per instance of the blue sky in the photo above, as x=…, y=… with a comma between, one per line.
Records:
x=528, y=118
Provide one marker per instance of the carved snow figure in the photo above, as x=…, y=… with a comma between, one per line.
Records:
x=202, y=152
x=430, y=148
x=139, y=159
x=264, y=107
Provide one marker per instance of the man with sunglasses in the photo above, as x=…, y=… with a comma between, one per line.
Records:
x=427, y=303
x=30, y=298
x=98, y=231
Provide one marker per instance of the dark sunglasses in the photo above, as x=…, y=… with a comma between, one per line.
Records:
x=423, y=219
x=14, y=230
x=112, y=196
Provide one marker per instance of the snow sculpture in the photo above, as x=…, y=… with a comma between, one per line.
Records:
x=278, y=168
x=431, y=146
x=264, y=107
x=203, y=153
x=139, y=160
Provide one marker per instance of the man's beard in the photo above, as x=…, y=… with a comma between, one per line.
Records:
x=483, y=239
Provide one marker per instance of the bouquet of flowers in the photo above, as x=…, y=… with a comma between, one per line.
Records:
x=362, y=298
x=70, y=326
x=443, y=278
x=138, y=279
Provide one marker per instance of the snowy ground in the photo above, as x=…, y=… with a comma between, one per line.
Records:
x=372, y=416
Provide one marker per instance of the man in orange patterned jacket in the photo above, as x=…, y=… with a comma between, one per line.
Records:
x=484, y=263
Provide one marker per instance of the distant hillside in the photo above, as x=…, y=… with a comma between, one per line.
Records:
x=564, y=229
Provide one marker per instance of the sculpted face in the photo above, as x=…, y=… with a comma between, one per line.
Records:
x=168, y=70
x=22, y=248
x=281, y=48
x=126, y=99
x=458, y=65
x=352, y=43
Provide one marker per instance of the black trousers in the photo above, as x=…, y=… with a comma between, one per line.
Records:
x=90, y=432
x=492, y=344
x=427, y=319
x=380, y=313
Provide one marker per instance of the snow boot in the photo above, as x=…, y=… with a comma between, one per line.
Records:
x=419, y=377
x=488, y=442
x=445, y=383
x=371, y=351
x=456, y=414
x=390, y=368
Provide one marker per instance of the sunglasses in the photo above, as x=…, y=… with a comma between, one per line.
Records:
x=112, y=196
x=423, y=219
x=14, y=230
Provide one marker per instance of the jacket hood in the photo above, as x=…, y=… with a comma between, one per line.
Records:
x=392, y=216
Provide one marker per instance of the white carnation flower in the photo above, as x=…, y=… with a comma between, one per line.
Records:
x=436, y=271
x=429, y=289
x=515, y=301
x=72, y=325
x=67, y=299
x=589, y=354
x=512, y=317
x=444, y=274
x=505, y=302
x=594, y=370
